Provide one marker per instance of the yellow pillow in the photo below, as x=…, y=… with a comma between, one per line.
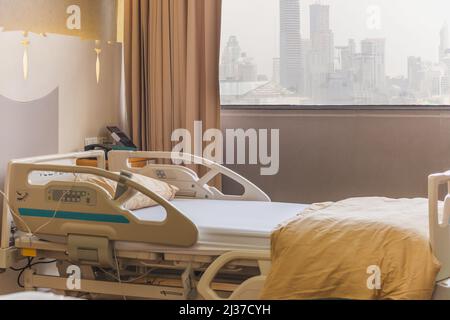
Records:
x=139, y=200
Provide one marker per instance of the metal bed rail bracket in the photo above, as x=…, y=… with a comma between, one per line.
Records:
x=8, y=257
x=187, y=279
x=442, y=290
x=94, y=251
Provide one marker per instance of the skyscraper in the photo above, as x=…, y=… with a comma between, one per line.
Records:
x=247, y=69
x=276, y=70
x=444, y=43
x=319, y=18
x=415, y=74
x=373, y=51
x=229, y=66
x=444, y=58
x=322, y=38
x=322, y=49
x=346, y=56
x=290, y=45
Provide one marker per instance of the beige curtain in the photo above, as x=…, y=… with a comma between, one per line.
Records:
x=171, y=68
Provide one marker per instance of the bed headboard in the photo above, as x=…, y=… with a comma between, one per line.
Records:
x=439, y=223
x=65, y=208
x=189, y=183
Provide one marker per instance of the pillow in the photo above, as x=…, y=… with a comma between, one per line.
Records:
x=139, y=200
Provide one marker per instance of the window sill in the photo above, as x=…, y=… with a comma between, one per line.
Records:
x=335, y=108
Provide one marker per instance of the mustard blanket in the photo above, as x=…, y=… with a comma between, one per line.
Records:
x=360, y=248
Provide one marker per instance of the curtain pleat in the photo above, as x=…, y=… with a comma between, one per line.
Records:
x=172, y=68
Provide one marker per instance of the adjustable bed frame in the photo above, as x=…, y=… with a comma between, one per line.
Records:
x=50, y=216
x=202, y=245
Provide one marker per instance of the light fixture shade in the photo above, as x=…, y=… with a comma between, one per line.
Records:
x=88, y=19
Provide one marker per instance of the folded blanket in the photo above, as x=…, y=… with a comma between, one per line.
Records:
x=360, y=248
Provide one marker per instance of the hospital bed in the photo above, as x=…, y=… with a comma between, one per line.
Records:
x=202, y=245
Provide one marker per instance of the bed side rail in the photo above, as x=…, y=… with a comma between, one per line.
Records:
x=185, y=179
x=439, y=228
x=111, y=220
x=58, y=158
x=250, y=289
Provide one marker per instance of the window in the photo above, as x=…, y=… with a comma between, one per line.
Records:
x=336, y=52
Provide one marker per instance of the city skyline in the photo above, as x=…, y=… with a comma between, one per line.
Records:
x=402, y=24
x=312, y=69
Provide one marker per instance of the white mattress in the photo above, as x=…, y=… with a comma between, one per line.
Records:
x=222, y=225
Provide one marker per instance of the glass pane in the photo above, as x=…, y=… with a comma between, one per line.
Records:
x=336, y=52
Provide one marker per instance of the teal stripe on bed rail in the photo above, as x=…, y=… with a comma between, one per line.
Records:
x=65, y=215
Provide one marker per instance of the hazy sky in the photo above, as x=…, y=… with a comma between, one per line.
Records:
x=411, y=27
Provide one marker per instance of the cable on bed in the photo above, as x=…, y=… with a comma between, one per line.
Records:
x=118, y=277
x=30, y=233
x=29, y=265
x=127, y=281
x=14, y=213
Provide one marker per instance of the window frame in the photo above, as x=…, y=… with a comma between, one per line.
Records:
x=337, y=107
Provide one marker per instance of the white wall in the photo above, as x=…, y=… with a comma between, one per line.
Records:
x=67, y=63
x=61, y=75
x=329, y=155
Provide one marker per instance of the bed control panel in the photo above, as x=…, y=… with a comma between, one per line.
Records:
x=83, y=196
